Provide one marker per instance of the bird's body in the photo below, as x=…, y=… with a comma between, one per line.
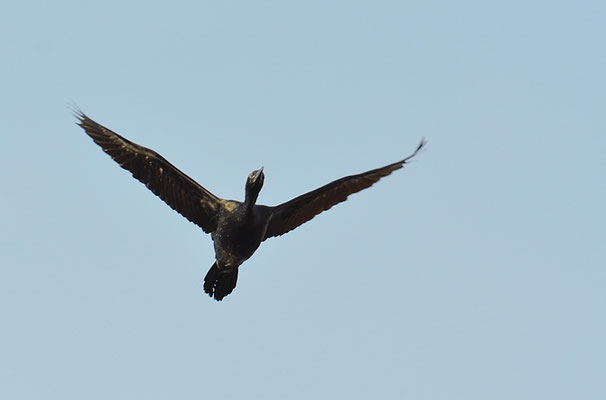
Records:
x=237, y=228
x=239, y=234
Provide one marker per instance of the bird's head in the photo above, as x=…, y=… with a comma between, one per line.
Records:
x=254, y=183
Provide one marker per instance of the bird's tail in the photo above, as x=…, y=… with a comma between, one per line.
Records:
x=219, y=284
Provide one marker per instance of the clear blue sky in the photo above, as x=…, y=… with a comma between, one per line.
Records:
x=477, y=272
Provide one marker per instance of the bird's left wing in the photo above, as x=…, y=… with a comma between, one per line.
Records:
x=178, y=190
x=287, y=216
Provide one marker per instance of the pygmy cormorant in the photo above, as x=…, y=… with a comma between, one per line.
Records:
x=237, y=228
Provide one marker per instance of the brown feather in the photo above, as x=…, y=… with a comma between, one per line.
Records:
x=289, y=215
x=178, y=190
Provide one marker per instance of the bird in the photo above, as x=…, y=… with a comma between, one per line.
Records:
x=236, y=228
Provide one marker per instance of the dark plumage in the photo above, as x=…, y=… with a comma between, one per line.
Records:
x=237, y=228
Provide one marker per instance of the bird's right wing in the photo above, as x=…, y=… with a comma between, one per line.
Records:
x=287, y=216
x=178, y=190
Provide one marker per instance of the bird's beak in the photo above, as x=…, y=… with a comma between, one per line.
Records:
x=258, y=173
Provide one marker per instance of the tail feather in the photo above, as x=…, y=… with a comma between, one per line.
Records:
x=219, y=284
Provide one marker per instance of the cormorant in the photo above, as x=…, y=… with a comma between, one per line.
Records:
x=237, y=228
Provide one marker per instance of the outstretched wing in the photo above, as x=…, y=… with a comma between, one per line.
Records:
x=177, y=190
x=289, y=215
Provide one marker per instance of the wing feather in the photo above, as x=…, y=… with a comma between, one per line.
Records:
x=287, y=216
x=178, y=190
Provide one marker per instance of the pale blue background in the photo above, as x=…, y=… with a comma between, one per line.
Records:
x=477, y=272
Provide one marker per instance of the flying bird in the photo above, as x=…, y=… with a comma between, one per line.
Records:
x=237, y=228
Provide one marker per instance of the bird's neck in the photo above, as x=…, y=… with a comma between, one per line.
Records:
x=250, y=198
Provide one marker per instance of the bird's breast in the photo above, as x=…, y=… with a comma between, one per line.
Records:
x=239, y=234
